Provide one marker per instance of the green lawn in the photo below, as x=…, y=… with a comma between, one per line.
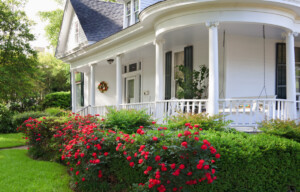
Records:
x=21, y=173
x=11, y=140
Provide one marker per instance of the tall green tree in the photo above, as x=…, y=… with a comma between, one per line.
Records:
x=18, y=61
x=54, y=74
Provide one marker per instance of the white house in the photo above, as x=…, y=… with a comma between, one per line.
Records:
x=251, y=48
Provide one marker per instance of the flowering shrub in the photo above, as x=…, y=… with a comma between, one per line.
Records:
x=169, y=161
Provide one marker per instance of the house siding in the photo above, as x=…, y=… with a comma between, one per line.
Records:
x=71, y=43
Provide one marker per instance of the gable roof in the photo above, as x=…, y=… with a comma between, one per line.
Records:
x=98, y=19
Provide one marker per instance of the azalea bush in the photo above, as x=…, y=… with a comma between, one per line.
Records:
x=205, y=121
x=127, y=120
x=168, y=160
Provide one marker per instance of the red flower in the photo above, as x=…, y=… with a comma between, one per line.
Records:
x=88, y=146
x=218, y=155
x=184, y=144
x=196, y=126
x=128, y=158
x=197, y=138
x=149, y=168
x=106, y=153
x=83, y=179
x=189, y=173
x=201, y=161
x=187, y=133
x=206, y=167
x=131, y=164
x=97, y=161
x=165, y=148
x=153, y=122
x=157, y=158
x=141, y=161
x=173, y=166
x=213, y=171
x=204, y=147
x=77, y=172
x=82, y=155
x=141, y=127
x=179, y=135
x=181, y=166
x=154, y=138
x=199, y=166
x=187, y=124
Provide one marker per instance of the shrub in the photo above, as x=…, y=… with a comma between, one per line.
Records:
x=39, y=133
x=58, y=99
x=204, y=121
x=168, y=161
x=127, y=120
x=18, y=119
x=254, y=163
x=288, y=129
x=5, y=120
x=56, y=111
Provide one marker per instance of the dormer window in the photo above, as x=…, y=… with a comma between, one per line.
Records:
x=128, y=12
x=136, y=10
x=131, y=12
x=76, y=26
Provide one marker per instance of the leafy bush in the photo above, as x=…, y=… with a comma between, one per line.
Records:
x=39, y=133
x=288, y=129
x=204, y=121
x=254, y=163
x=127, y=120
x=18, y=119
x=58, y=99
x=56, y=111
x=5, y=120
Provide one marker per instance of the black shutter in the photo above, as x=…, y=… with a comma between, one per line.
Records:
x=188, y=76
x=280, y=71
x=168, y=75
x=82, y=90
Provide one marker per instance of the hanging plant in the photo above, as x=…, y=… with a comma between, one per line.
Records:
x=103, y=87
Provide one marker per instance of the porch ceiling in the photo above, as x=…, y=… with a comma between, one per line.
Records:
x=188, y=35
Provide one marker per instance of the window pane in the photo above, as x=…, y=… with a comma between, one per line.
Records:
x=78, y=94
x=136, y=5
x=298, y=85
x=281, y=75
x=128, y=8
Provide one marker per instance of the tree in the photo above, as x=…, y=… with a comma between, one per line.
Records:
x=18, y=62
x=53, y=73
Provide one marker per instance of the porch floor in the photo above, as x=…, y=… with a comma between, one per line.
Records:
x=247, y=129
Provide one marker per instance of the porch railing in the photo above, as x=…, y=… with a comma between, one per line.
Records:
x=242, y=112
x=248, y=112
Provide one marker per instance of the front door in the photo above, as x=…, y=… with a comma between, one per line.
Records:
x=130, y=90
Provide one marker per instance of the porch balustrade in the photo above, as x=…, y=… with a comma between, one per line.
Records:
x=242, y=112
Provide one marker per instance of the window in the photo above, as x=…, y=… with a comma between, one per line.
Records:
x=136, y=10
x=79, y=80
x=76, y=25
x=128, y=13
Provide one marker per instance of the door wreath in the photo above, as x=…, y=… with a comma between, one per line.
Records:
x=103, y=87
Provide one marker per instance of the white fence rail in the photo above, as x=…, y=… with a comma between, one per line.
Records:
x=243, y=112
x=247, y=112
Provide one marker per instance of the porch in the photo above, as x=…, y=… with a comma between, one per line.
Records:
x=245, y=74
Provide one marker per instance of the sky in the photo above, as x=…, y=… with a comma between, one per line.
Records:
x=31, y=9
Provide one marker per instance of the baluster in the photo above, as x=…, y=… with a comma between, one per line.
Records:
x=251, y=113
x=278, y=109
x=188, y=107
x=244, y=112
x=193, y=107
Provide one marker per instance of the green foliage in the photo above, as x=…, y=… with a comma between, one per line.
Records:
x=25, y=104
x=56, y=111
x=288, y=129
x=127, y=120
x=192, y=85
x=254, y=163
x=58, y=99
x=54, y=74
x=5, y=120
x=18, y=119
x=204, y=121
x=18, y=65
x=54, y=18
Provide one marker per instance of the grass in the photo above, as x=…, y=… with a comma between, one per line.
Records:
x=21, y=173
x=11, y=140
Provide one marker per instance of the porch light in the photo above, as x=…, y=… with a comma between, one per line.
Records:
x=110, y=61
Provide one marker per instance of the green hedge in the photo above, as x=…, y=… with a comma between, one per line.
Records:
x=5, y=120
x=58, y=99
x=288, y=129
x=254, y=163
x=18, y=119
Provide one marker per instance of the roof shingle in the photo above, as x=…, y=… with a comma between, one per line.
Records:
x=98, y=19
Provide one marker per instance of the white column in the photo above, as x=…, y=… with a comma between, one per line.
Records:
x=118, y=80
x=73, y=83
x=213, y=88
x=159, y=67
x=92, y=87
x=290, y=74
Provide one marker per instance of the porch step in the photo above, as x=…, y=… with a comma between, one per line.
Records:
x=247, y=129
